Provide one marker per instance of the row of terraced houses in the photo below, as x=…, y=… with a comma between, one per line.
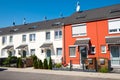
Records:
x=84, y=34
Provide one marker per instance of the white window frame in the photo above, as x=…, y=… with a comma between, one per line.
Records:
x=72, y=46
x=11, y=40
x=58, y=36
x=33, y=38
x=31, y=51
x=23, y=38
x=94, y=49
x=46, y=35
x=115, y=30
x=57, y=51
x=79, y=30
x=5, y=40
x=104, y=48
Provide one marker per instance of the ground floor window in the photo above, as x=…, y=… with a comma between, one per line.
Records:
x=93, y=49
x=59, y=51
x=32, y=51
x=72, y=51
x=103, y=49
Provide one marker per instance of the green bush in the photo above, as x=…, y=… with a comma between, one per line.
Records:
x=35, y=63
x=103, y=70
x=40, y=64
x=58, y=65
x=50, y=64
x=20, y=64
x=45, y=66
x=7, y=61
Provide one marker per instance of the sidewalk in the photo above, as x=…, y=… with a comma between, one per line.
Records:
x=69, y=73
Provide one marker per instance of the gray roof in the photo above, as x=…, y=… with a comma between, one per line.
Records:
x=80, y=42
x=78, y=17
x=21, y=46
x=103, y=13
x=8, y=47
x=113, y=40
x=46, y=45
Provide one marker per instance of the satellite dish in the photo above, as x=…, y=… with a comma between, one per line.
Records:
x=78, y=7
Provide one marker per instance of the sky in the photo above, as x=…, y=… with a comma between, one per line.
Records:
x=36, y=10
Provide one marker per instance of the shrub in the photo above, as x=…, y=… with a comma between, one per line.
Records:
x=103, y=70
x=7, y=61
x=40, y=64
x=45, y=64
x=58, y=65
x=20, y=64
x=50, y=64
x=35, y=63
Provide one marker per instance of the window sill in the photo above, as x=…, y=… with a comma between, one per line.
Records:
x=72, y=56
x=103, y=52
x=79, y=36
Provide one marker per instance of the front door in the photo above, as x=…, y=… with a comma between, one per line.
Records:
x=24, y=54
x=83, y=53
x=115, y=55
x=48, y=54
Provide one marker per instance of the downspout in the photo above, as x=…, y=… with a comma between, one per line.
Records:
x=64, y=58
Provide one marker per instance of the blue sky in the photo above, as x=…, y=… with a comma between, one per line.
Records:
x=35, y=10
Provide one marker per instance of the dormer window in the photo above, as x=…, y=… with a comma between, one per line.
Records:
x=33, y=27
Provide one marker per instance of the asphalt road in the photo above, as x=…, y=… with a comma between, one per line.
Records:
x=6, y=75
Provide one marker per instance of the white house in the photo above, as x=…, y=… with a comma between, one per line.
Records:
x=44, y=39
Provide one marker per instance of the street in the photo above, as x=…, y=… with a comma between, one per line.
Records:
x=8, y=75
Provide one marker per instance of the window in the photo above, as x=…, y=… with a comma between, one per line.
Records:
x=103, y=49
x=3, y=52
x=58, y=34
x=47, y=35
x=93, y=49
x=114, y=26
x=79, y=30
x=11, y=39
x=59, y=51
x=4, y=40
x=32, y=37
x=23, y=38
x=72, y=51
x=32, y=51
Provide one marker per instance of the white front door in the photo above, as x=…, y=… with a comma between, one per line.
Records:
x=115, y=55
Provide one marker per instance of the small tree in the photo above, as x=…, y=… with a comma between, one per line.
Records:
x=35, y=63
x=20, y=64
x=50, y=64
x=45, y=64
x=40, y=64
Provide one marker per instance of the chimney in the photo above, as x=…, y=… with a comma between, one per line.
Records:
x=45, y=18
x=78, y=7
x=24, y=20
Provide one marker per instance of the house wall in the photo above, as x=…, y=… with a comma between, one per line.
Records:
x=96, y=31
x=40, y=39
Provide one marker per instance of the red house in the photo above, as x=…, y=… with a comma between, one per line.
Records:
x=92, y=34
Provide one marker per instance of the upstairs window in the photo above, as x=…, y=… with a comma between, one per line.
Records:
x=58, y=34
x=23, y=38
x=114, y=26
x=4, y=40
x=32, y=37
x=47, y=35
x=79, y=30
x=11, y=39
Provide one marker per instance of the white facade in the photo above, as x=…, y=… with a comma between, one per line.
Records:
x=40, y=39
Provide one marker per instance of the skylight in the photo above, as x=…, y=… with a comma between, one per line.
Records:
x=14, y=30
x=56, y=23
x=33, y=27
